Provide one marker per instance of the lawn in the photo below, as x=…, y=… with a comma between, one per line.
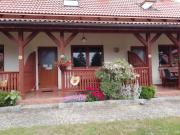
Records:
x=165, y=126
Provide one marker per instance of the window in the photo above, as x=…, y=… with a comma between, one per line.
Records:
x=73, y=3
x=140, y=51
x=147, y=4
x=87, y=56
x=1, y=58
x=168, y=55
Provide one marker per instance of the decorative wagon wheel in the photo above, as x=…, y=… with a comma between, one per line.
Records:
x=75, y=80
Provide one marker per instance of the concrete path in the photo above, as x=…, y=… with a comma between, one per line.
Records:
x=91, y=112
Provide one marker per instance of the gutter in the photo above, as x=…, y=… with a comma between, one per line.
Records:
x=92, y=25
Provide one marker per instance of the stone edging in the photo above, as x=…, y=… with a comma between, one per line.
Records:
x=16, y=108
x=19, y=108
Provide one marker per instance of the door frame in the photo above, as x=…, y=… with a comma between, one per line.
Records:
x=38, y=75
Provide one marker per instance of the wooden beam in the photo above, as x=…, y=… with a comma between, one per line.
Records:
x=62, y=43
x=173, y=39
x=141, y=39
x=70, y=38
x=29, y=38
x=10, y=36
x=54, y=39
x=155, y=38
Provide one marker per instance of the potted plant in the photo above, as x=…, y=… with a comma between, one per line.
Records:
x=63, y=62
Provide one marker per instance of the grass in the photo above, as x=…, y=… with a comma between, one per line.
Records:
x=164, y=126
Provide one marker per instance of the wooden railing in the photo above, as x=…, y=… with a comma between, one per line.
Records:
x=143, y=75
x=12, y=80
x=87, y=79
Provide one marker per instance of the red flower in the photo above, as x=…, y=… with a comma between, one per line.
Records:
x=98, y=94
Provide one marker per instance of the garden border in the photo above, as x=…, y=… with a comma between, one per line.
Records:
x=19, y=108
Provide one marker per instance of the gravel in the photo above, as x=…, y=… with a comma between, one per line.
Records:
x=71, y=113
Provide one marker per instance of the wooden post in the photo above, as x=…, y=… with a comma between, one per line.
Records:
x=147, y=42
x=21, y=63
x=62, y=43
x=149, y=56
x=176, y=41
x=61, y=47
x=21, y=43
x=179, y=67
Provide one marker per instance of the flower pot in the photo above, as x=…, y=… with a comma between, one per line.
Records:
x=62, y=68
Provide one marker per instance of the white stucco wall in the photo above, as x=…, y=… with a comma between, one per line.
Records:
x=109, y=41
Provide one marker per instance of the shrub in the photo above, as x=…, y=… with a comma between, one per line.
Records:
x=147, y=92
x=3, y=95
x=114, y=76
x=12, y=97
x=8, y=98
x=110, y=89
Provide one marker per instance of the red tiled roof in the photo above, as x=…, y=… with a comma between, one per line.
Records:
x=124, y=8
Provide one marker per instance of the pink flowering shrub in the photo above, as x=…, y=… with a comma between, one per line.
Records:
x=95, y=94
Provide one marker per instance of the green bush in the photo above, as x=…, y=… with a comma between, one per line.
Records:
x=3, y=101
x=147, y=92
x=8, y=98
x=113, y=76
x=110, y=89
x=12, y=98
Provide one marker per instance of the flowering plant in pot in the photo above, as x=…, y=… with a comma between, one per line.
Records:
x=63, y=62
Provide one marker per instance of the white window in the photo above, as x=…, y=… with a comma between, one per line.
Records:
x=147, y=4
x=73, y=3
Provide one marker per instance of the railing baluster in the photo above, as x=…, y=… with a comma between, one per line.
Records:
x=12, y=80
x=144, y=73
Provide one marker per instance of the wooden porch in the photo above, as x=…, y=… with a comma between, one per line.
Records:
x=21, y=80
x=88, y=79
x=51, y=97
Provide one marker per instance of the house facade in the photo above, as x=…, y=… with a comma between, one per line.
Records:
x=34, y=35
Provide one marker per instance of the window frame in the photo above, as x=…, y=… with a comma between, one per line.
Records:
x=141, y=47
x=170, y=46
x=71, y=3
x=87, y=55
x=1, y=45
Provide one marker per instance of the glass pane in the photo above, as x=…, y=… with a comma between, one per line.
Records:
x=140, y=51
x=95, y=56
x=163, y=55
x=79, y=57
x=1, y=58
x=48, y=57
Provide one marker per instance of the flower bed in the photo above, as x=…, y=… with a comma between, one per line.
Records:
x=94, y=94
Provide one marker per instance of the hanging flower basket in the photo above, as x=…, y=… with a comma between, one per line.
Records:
x=63, y=63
